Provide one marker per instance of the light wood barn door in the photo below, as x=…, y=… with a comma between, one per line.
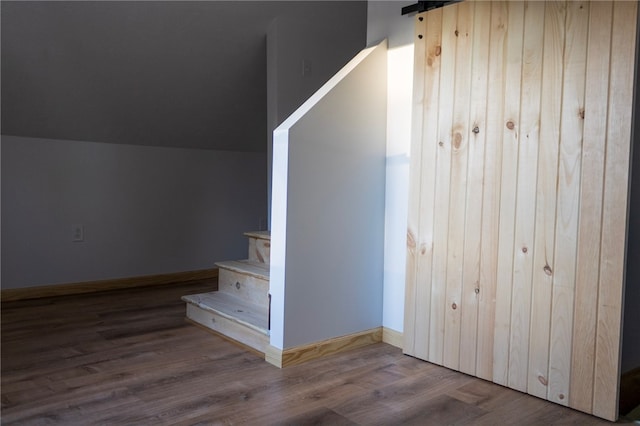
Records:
x=518, y=203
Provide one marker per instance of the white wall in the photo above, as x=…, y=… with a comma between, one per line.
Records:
x=385, y=21
x=145, y=210
x=327, y=229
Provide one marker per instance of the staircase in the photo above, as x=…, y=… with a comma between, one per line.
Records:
x=240, y=308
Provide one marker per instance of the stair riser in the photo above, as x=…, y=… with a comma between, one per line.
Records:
x=259, y=250
x=227, y=327
x=247, y=287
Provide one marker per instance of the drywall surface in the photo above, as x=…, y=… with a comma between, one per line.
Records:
x=631, y=324
x=385, y=21
x=306, y=50
x=190, y=74
x=631, y=321
x=145, y=210
x=327, y=230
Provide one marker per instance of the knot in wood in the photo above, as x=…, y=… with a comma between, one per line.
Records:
x=510, y=125
x=524, y=249
x=476, y=130
x=543, y=380
x=238, y=285
x=457, y=140
x=420, y=36
x=411, y=241
x=454, y=306
x=547, y=270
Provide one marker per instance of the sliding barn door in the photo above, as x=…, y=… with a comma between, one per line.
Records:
x=518, y=204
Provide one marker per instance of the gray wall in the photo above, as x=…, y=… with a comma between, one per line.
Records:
x=145, y=210
x=323, y=43
x=146, y=122
x=158, y=73
x=631, y=324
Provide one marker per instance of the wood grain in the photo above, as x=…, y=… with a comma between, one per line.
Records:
x=460, y=137
x=591, y=192
x=417, y=344
x=614, y=210
x=442, y=167
x=568, y=201
x=474, y=196
x=544, y=239
x=427, y=182
x=491, y=194
x=392, y=337
x=13, y=294
x=508, y=189
x=304, y=353
x=523, y=233
x=128, y=357
x=528, y=147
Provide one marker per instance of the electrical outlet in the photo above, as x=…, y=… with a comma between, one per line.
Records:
x=77, y=233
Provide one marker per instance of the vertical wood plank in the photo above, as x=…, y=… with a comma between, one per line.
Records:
x=568, y=201
x=460, y=134
x=432, y=36
x=491, y=193
x=474, y=195
x=529, y=140
x=590, y=215
x=512, y=79
x=543, y=252
x=613, y=246
x=420, y=105
x=520, y=225
x=443, y=177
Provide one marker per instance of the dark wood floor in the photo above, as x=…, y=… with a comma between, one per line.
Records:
x=129, y=357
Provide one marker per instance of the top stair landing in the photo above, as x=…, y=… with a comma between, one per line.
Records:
x=259, y=246
x=263, y=235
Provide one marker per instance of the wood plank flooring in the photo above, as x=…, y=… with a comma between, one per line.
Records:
x=129, y=357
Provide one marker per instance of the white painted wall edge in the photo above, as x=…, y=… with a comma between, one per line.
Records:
x=328, y=240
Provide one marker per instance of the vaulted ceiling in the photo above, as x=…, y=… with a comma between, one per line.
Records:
x=161, y=73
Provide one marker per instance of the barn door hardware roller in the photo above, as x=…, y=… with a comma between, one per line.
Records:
x=423, y=6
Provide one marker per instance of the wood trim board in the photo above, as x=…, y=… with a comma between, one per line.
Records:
x=392, y=337
x=299, y=354
x=13, y=294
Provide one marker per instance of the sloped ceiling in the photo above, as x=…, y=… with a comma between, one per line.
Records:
x=161, y=73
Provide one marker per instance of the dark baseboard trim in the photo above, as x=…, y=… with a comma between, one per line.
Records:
x=13, y=294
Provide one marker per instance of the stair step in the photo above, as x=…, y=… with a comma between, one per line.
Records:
x=259, y=246
x=230, y=316
x=261, y=235
x=246, y=280
x=247, y=267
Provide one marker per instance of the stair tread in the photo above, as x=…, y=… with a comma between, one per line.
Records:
x=233, y=308
x=262, y=235
x=257, y=269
